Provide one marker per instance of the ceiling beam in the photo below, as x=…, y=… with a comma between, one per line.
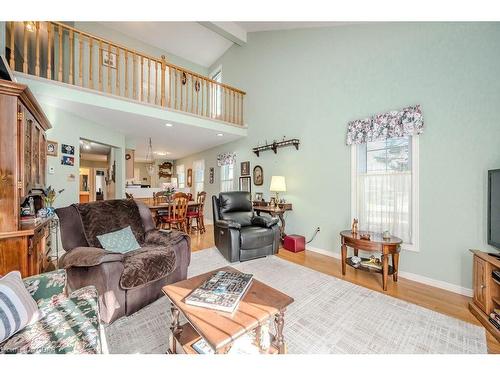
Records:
x=229, y=30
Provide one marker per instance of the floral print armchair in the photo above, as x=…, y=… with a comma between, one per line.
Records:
x=68, y=323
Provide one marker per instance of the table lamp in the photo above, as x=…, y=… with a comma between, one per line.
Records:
x=278, y=185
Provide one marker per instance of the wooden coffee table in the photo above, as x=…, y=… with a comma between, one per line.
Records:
x=221, y=329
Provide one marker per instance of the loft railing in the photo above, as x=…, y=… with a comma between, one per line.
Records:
x=58, y=52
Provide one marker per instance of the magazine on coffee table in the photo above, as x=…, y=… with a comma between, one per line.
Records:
x=223, y=291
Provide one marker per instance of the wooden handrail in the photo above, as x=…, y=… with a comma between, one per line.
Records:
x=70, y=58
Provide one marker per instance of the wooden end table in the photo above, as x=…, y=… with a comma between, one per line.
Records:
x=391, y=246
x=221, y=329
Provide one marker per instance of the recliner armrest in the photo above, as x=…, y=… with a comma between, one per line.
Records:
x=227, y=224
x=265, y=222
x=88, y=257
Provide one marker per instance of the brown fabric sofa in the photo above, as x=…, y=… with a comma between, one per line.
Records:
x=125, y=282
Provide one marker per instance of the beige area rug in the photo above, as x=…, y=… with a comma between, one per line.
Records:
x=329, y=315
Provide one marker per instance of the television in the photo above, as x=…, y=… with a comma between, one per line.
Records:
x=494, y=208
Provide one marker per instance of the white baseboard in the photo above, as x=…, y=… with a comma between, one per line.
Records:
x=410, y=276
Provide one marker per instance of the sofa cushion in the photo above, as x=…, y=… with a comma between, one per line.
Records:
x=17, y=306
x=102, y=217
x=255, y=237
x=121, y=241
x=69, y=324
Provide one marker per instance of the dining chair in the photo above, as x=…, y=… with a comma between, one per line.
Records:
x=197, y=213
x=175, y=213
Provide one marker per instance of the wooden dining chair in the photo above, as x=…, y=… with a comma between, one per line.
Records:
x=197, y=213
x=175, y=213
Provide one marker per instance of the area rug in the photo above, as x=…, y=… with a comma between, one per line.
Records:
x=329, y=315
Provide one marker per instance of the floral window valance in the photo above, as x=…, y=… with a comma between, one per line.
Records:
x=226, y=158
x=408, y=121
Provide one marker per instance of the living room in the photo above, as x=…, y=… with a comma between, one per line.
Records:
x=342, y=175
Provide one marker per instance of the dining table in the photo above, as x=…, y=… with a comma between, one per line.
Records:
x=155, y=207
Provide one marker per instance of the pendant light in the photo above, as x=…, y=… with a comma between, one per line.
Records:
x=150, y=168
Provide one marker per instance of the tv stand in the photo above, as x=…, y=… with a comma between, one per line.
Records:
x=486, y=290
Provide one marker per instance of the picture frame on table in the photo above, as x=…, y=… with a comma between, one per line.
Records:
x=245, y=184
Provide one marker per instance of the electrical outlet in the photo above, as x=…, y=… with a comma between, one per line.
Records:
x=318, y=230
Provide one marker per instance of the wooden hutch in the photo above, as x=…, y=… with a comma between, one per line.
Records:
x=22, y=170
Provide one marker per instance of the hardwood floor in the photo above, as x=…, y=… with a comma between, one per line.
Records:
x=443, y=301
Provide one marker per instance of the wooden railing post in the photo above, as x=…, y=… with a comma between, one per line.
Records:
x=25, y=48
x=80, y=60
x=71, y=56
x=12, y=60
x=91, y=79
x=49, y=50
x=60, y=66
x=37, y=50
x=163, y=78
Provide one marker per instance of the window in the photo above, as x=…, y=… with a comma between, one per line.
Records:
x=217, y=92
x=199, y=176
x=385, y=187
x=181, y=176
x=226, y=177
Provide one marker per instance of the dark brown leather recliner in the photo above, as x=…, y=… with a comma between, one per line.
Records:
x=125, y=282
x=240, y=235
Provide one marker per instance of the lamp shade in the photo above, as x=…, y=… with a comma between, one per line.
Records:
x=278, y=183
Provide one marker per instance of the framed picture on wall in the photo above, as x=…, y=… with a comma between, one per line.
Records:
x=245, y=168
x=108, y=58
x=258, y=176
x=51, y=148
x=68, y=160
x=211, y=175
x=246, y=184
x=67, y=149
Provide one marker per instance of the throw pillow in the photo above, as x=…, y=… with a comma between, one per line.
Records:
x=120, y=241
x=17, y=306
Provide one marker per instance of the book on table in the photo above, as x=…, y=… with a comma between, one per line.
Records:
x=223, y=291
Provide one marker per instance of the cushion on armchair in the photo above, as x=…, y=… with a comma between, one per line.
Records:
x=120, y=241
x=265, y=222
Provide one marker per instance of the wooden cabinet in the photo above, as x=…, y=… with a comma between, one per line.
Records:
x=22, y=169
x=486, y=295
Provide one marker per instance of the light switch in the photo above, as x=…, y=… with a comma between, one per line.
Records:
x=52, y=170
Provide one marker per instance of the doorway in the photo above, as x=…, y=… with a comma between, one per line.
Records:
x=96, y=171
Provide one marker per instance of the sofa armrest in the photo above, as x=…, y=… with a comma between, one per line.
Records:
x=265, y=222
x=227, y=224
x=46, y=285
x=88, y=257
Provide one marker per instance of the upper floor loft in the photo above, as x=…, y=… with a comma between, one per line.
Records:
x=58, y=52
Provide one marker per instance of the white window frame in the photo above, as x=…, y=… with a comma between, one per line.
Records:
x=202, y=182
x=222, y=181
x=415, y=183
x=177, y=168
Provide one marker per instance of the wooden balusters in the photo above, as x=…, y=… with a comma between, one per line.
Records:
x=49, y=50
x=37, y=50
x=126, y=74
x=100, y=65
x=167, y=85
x=60, y=53
x=142, y=79
x=109, y=68
x=117, y=75
x=91, y=80
x=12, y=59
x=71, y=56
x=25, y=48
x=163, y=101
x=80, y=61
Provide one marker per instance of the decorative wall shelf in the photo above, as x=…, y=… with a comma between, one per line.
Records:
x=275, y=145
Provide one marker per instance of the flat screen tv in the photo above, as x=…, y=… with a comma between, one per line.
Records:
x=494, y=208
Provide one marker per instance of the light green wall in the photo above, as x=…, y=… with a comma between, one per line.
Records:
x=68, y=128
x=105, y=32
x=309, y=83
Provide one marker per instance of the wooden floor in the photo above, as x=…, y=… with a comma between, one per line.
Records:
x=436, y=299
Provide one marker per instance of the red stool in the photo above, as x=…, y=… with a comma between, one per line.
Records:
x=294, y=243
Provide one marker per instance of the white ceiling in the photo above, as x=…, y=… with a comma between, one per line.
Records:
x=188, y=40
x=95, y=148
x=268, y=26
x=175, y=142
